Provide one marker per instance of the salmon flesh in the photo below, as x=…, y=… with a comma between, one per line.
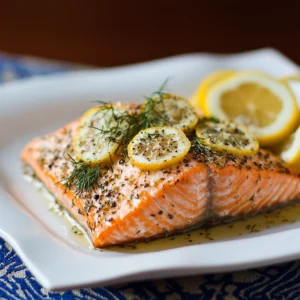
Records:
x=130, y=204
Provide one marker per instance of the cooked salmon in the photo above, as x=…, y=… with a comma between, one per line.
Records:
x=130, y=204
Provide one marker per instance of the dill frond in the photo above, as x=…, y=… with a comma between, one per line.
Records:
x=198, y=146
x=211, y=119
x=83, y=178
x=121, y=127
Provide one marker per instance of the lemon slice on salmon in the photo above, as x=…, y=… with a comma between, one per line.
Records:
x=290, y=150
x=176, y=111
x=199, y=95
x=227, y=136
x=158, y=147
x=92, y=143
x=267, y=106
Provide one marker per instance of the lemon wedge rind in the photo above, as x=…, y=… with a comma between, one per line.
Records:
x=197, y=99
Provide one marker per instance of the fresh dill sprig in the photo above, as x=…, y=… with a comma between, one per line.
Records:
x=122, y=126
x=153, y=112
x=83, y=178
x=196, y=144
x=211, y=119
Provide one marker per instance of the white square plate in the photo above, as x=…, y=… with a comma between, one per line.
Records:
x=37, y=106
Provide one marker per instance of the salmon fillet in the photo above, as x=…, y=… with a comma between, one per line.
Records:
x=130, y=204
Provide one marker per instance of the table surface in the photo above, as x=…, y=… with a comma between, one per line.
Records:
x=16, y=282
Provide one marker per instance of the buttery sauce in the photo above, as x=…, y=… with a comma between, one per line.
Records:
x=222, y=232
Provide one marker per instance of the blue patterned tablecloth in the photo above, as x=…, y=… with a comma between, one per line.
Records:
x=16, y=282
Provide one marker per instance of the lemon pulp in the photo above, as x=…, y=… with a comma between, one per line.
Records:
x=158, y=147
x=91, y=145
x=178, y=112
x=267, y=106
x=227, y=136
x=251, y=104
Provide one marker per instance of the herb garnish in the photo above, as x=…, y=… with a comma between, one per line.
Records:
x=123, y=126
x=211, y=119
x=197, y=145
x=84, y=177
x=120, y=128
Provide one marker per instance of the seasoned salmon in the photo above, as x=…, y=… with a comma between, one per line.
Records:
x=131, y=204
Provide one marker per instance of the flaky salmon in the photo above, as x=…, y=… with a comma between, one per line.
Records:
x=131, y=204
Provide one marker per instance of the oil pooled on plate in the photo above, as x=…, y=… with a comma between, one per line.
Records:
x=233, y=230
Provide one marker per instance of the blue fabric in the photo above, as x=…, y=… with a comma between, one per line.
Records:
x=16, y=282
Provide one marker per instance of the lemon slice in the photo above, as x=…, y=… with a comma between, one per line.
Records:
x=91, y=143
x=208, y=82
x=158, y=147
x=267, y=106
x=290, y=150
x=290, y=78
x=227, y=136
x=177, y=111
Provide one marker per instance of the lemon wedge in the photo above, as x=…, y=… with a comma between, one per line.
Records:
x=267, y=106
x=290, y=150
x=227, y=136
x=208, y=82
x=177, y=111
x=158, y=147
x=92, y=142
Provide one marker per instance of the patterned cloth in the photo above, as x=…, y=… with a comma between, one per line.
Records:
x=16, y=282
